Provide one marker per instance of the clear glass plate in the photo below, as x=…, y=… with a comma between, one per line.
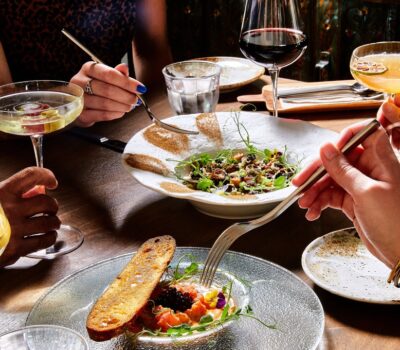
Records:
x=276, y=296
x=43, y=337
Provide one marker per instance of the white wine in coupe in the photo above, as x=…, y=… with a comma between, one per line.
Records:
x=38, y=112
x=36, y=108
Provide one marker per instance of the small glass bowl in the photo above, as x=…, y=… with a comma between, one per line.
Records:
x=205, y=339
x=43, y=337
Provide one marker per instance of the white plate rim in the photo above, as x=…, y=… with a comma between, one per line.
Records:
x=209, y=198
x=327, y=287
x=245, y=61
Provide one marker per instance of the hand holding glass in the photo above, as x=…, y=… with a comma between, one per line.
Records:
x=35, y=108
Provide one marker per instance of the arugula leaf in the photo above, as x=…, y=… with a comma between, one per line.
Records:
x=280, y=182
x=204, y=158
x=204, y=184
x=267, y=153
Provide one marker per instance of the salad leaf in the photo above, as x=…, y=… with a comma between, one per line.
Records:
x=280, y=182
x=204, y=184
x=206, y=319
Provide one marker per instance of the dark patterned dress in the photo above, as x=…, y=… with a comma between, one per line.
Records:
x=30, y=32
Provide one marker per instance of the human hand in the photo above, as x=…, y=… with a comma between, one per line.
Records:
x=21, y=212
x=388, y=115
x=365, y=186
x=114, y=92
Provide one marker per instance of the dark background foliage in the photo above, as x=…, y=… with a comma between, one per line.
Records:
x=199, y=28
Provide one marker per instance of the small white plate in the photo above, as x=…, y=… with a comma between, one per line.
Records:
x=236, y=72
x=340, y=263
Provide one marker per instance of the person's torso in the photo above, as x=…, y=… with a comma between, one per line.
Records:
x=30, y=32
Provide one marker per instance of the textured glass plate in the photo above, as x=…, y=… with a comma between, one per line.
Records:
x=340, y=263
x=276, y=295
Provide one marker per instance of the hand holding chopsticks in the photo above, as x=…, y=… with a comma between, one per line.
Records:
x=110, y=91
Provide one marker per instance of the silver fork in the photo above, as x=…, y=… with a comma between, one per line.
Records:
x=145, y=105
x=233, y=232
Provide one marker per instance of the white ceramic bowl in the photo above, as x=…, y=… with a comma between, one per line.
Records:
x=158, y=150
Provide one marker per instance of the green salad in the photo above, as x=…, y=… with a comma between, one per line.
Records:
x=246, y=171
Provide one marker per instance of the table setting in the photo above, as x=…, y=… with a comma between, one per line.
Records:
x=200, y=172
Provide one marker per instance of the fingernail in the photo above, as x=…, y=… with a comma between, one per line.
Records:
x=138, y=103
x=329, y=151
x=141, y=89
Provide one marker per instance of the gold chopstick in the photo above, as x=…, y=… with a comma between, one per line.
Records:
x=81, y=46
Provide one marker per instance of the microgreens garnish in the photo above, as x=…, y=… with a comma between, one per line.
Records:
x=232, y=171
x=219, y=297
x=187, y=273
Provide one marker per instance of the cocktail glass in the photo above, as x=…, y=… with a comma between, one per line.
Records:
x=36, y=108
x=377, y=66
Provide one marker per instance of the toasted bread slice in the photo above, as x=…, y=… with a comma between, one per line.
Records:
x=120, y=304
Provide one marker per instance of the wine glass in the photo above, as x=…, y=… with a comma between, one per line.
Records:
x=271, y=37
x=36, y=108
x=377, y=66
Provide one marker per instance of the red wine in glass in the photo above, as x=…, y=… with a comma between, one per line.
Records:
x=271, y=36
x=273, y=46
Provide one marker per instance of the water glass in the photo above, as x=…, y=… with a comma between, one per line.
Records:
x=192, y=86
x=43, y=337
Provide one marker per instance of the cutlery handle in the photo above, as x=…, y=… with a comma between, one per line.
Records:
x=350, y=145
x=307, y=90
x=114, y=145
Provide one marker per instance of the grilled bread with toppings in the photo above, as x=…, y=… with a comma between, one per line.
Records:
x=116, y=310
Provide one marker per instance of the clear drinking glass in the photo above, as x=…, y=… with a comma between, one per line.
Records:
x=43, y=337
x=271, y=36
x=192, y=86
x=36, y=108
x=377, y=66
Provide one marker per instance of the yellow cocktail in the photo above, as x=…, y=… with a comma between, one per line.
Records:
x=377, y=66
x=5, y=230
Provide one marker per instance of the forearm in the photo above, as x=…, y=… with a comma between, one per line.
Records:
x=150, y=47
x=5, y=75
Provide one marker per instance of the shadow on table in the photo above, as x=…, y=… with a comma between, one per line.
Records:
x=281, y=241
x=375, y=318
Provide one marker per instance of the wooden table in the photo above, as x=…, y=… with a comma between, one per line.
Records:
x=116, y=214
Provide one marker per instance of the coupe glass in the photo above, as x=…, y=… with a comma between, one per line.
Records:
x=377, y=66
x=43, y=337
x=271, y=37
x=36, y=108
